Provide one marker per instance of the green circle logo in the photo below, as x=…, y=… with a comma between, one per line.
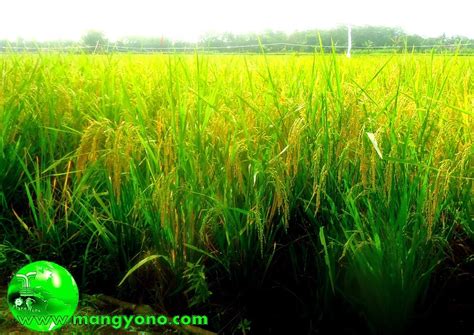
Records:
x=43, y=296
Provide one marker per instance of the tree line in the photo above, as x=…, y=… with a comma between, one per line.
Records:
x=364, y=39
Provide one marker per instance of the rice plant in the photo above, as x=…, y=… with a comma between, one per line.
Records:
x=198, y=180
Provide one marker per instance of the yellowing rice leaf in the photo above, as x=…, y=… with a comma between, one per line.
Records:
x=374, y=143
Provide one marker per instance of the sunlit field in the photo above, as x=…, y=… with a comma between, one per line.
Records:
x=273, y=193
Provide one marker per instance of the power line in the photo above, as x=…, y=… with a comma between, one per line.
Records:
x=117, y=47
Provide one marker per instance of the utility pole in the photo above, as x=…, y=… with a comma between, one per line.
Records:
x=349, y=41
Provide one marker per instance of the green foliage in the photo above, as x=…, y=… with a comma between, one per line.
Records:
x=195, y=276
x=244, y=326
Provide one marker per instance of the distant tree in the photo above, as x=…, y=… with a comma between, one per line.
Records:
x=3, y=45
x=368, y=45
x=94, y=38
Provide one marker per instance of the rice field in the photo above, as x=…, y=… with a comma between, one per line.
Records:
x=274, y=193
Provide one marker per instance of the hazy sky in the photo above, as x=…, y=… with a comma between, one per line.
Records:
x=188, y=19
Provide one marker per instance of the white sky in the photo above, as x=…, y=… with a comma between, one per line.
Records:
x=190, y=19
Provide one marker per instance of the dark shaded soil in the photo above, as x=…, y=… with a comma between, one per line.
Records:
x=285, y=304
x=451, y=293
